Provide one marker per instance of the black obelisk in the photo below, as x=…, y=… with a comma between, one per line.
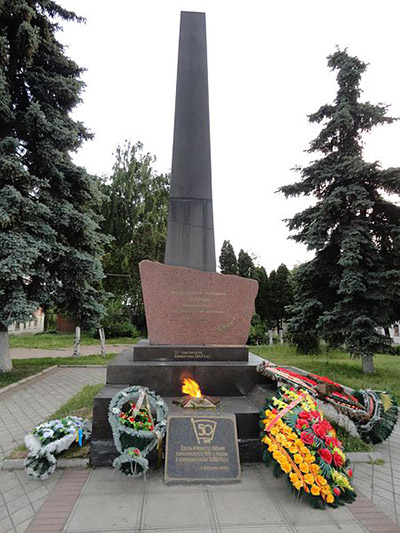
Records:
x=190, y=240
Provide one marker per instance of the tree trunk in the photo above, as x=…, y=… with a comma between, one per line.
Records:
x=102, y=342
x=368, y=364
x=281, y=336
x=77, y=342
x=5, y=360
x=271, y=336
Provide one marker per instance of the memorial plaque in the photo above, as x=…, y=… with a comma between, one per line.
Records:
x=202, y=448
x=144, y=351
x=189, y=307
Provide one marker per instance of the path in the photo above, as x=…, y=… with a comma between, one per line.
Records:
x=83, y=501
x=27, y=353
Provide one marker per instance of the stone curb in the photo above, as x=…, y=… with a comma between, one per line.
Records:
x=25, y=380
x=18, y=464
x=82, y=366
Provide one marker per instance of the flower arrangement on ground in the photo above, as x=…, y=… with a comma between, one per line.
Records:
x=302, y=444
x=138, y=419
x=52, y=438
x=374, y=413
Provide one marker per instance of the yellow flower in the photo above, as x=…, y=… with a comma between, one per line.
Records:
x=321, y=480
x=309, y=478
x=304, y=468
x=315, y=491
x=286, y=467
x=330, y=498
x=314, y=468
x=267, y=440
x=293, y=448
x=274, y=430
x=298, y=458
x=296, y=482
x=272, y=448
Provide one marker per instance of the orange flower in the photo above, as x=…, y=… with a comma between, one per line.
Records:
x=285, y=465
x=321, y=480
x=304, y=468
x=293, y=448
x=314, y=468
x=298, y=458
x=315, y=491
x=309, y=478
x=330, y=498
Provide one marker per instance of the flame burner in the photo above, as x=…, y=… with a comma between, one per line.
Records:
x=194, y=399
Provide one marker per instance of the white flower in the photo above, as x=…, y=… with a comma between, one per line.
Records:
x=48, y=433
x=116, y=411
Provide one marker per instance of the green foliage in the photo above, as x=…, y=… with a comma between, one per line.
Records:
x=52, y=341
x=262, y=303
x=50, y=246
x=351, y=287
x=246, y=267
x=82, y=400
x=258, y=331
x=135, y=214
x=337, y=365
x=24, y=368
x=228, y=263
x=350, y=443
x=280, y=294
x=116, y=323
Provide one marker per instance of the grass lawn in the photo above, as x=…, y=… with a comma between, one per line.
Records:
x=338, y=366
x=26, y=367
x=54, y=341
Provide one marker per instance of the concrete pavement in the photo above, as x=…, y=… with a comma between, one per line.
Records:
x=102, y=500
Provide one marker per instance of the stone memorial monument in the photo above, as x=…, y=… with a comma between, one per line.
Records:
x=197, y=319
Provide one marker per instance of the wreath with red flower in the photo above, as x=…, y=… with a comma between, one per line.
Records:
x=302, y=444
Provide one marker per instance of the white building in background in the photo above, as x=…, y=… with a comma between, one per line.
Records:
x=36, y=325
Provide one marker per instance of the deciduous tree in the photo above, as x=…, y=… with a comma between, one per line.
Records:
x=135, y=214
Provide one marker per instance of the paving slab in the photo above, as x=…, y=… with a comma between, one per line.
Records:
x=102, y=500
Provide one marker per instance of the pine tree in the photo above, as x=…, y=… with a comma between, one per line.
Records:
x=351, y=287
x=135, y=214
x=50, y=246
x=227, y=260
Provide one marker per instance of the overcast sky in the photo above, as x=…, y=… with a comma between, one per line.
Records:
x=267, y=72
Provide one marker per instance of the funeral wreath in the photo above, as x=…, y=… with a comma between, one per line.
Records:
x=138, y=419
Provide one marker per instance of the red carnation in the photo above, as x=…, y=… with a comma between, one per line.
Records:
x=274, y=411
x=305, y=415
x=314, y=413
x=307, y=438
x=338, y=460
x=326, y=425
x=350, y=472
x=302, y=424
x=319, y=431
x=326, y=455
x=336, y=491
x=331, y=441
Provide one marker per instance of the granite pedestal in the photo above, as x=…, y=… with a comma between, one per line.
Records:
x=240, y=388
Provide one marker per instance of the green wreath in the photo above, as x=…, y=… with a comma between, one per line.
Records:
x=135, y=444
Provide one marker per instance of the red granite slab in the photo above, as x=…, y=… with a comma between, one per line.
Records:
x=187, y=306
